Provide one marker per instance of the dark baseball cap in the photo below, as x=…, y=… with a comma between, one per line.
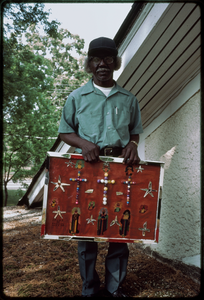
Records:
x=102, y=43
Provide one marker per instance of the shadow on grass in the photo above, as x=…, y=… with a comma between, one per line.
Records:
x=13, y=197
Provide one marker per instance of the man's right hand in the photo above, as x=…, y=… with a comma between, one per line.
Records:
x=90, y=151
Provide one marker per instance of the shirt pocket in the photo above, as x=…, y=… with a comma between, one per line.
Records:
x=123, y=118
x=91, y=123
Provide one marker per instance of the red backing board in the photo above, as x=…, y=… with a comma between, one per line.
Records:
x=77, y=193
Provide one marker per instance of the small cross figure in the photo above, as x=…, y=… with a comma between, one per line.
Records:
x=59, y=184
x=140, y=169
x=144, y=229
x=115, y=222
x=70, y=163
x=58, y=212
x=90, y=220
x=149, y=190
x=78, y=180
x=128, y=182
x=105, y=189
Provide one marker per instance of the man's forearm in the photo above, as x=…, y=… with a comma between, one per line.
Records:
x=135, y=137
x=72, y=139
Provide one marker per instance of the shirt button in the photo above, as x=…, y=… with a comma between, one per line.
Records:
x=109, y=127
x=108, y=113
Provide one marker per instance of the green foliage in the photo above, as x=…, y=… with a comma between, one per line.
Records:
x=67, y=71
x=39, y=73
x=29, y=116
x=23, y=15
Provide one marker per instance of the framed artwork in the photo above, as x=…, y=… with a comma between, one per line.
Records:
x=104, y=201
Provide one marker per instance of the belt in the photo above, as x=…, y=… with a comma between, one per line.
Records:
x=111, y=151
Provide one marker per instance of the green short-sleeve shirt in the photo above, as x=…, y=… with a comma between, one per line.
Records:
x=105, y=121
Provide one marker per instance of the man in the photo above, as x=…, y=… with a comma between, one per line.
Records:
x=101, y=118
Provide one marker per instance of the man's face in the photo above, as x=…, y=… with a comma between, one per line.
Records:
x=102, y=69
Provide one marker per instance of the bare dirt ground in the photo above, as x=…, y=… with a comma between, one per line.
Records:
x=33, y=267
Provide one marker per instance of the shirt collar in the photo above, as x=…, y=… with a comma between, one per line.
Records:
x=119, y=89
x=89, y=88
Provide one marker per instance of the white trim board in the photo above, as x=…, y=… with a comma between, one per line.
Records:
x=37, y=187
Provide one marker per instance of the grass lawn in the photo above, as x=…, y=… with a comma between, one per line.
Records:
x=14, y=196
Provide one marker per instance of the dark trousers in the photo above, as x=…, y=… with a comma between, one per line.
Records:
x=115, y=263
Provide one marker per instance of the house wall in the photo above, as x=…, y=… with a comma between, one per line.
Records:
x=177, y=142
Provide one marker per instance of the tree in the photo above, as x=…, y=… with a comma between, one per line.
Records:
x=29, y=116
x=23, y=15
x=68, y=71
x=39, y=73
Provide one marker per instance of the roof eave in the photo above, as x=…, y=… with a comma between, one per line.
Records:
x=124, y=29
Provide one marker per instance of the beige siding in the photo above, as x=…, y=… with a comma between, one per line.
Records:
x=177, y=143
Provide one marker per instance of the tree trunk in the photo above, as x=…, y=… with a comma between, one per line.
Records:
x=5, y=193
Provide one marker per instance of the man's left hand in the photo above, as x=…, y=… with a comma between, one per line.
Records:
x=130, y=154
